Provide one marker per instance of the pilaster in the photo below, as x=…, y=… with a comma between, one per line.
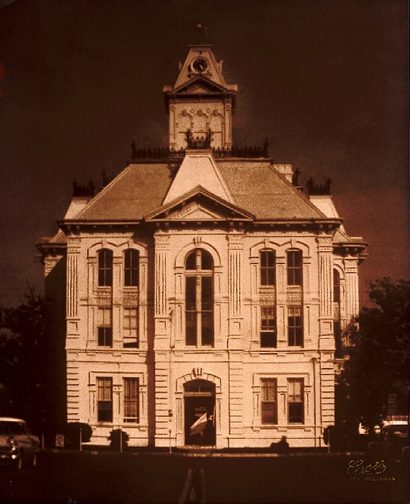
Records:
x=325, y=251
x=73, y=319
x=161, y=300
x=235, y=248
x=352, y=287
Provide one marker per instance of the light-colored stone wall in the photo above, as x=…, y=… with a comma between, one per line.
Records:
x=206, y=114
x=236, y=363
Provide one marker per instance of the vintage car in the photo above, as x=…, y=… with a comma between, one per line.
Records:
x=17, y=446
x=392, y=441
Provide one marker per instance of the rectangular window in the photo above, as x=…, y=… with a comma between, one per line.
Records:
x=269, y=410
x=131, y=393
x=294, y=267
x=130, y=328
x=295, y=326
x=104, y=327
x=104, y=399
x=207, y=322
x=268, y=326
x=295, y=401
x=267, y=267
x=190, y=311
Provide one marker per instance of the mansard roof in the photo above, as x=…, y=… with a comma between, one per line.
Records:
x=254, y=185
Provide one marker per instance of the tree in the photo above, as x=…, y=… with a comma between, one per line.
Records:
x=28, y=361
x=378, y=361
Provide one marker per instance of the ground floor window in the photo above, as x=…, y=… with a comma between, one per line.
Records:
x=269, y=410
x=295, y=400
x=104, y=399
x=131, y=399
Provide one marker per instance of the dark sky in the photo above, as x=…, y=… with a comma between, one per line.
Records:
x=324, y=81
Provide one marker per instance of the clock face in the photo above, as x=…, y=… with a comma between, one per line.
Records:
x=200, y=65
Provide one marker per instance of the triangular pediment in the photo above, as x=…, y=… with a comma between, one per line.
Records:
x=198, y=205
x=199, y=85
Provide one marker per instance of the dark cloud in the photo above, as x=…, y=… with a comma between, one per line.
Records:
x=325, y=81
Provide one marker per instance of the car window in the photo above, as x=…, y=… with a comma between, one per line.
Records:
x=14, y=428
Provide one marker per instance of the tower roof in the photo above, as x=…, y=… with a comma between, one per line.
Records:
x=201, y=64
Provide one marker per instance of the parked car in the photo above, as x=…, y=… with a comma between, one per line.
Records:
x=392, y=442
x=17, y=446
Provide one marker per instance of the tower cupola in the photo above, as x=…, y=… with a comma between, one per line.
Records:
x=200, y=103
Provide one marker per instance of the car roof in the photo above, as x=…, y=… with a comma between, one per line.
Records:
x=11, y=419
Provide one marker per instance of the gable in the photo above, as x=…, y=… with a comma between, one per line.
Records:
x=199, y=85
x=213, y=70
x=198, y=205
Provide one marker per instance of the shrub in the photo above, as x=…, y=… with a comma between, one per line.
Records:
x=117, y=435
x=72, y=434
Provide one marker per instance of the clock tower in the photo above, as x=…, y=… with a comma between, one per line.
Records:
x=200, y=103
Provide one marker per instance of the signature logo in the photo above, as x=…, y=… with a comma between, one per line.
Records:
x=358, y=469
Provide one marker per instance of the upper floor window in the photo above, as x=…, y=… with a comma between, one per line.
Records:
x=268, y=325
x=267, y=267
x=104, y=327
x=269, y=408
x=131, y=268
x=336, y=286
x=105, y=268
x=104, y=399
x=199, y=298
x=130, y=328
x=295, y=326
x=294, y=267
x=295, y=401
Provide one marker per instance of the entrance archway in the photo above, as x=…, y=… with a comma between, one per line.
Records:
x=200, y=421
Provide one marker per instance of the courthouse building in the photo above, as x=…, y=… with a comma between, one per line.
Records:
x=205, y=293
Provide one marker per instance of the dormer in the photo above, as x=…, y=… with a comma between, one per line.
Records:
x=200, y=103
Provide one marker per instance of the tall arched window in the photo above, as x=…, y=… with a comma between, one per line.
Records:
x=199, y=323
x=337, y=331
x=267, y=267
x=105, y=268
x=131, y=268
x=267, y=298
x=294, y=267
x=336, y=286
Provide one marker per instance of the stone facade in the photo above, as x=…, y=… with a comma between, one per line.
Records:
x=205, y=300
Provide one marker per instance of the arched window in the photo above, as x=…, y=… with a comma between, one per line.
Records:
x=199, y=323
x=267, y=267
x=337, y=331
x=131, y=268
x=336, y=286
x=294, y=267
x=267, y=298
x=105, y=268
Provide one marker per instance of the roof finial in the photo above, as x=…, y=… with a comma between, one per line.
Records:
x=204, y=33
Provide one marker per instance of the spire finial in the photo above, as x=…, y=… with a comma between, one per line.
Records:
x=204, y=33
